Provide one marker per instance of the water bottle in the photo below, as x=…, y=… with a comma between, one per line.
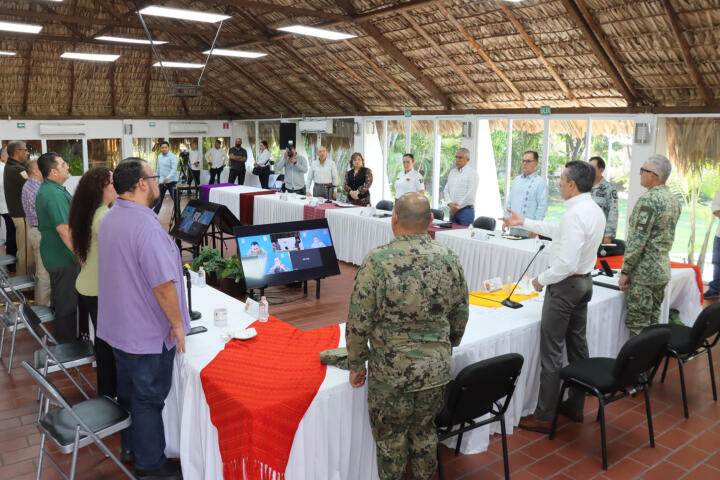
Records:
x=472, y=230
x=201, y=277
x=263, y=309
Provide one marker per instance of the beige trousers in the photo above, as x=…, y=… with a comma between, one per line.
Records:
x=25, y=253
x=42, y=277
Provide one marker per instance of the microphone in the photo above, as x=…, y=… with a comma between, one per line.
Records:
x=510, y=303
x=193, y=314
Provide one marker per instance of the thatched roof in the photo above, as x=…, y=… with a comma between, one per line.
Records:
x=426, y=56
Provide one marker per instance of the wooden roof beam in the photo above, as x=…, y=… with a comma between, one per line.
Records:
x=289, y=11
x=686, y=53
x=288, y=86
x=239, y=69
x=26, y=83
x=148, y=78
x=602, y=49
x=111, y=81
x=468, y=81
x=480, y=50
x=521, y=30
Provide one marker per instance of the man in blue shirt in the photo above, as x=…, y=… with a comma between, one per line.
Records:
x=167, y=172
x=528, y=194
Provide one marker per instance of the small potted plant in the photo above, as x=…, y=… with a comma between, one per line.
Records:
x=213, y=270
x=205, y=255
x=233, y=278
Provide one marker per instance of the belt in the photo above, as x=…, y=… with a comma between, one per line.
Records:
x=466, y=206
x=580, y=275
x=323, y=184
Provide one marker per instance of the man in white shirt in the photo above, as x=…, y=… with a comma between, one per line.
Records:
x=460, y=189
x=10, y=243
x=324, y=173
x=217, y=158
x=564, y=316
x=195, y=166
x=263, y=163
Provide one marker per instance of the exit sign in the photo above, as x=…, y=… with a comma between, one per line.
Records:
x=152, y=124
x=21, y=125
x=408, y=113
x=226, y=125
x=545, y=110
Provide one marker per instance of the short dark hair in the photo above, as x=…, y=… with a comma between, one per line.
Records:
x=409, y=155
x=254, y=243
x=127, y=174
x=163, y=143
x=12, y=147
x=264, y=142
x=218, y=141
x=582, y=173
x=47, y=162
x=600, y=162
x=534, y=154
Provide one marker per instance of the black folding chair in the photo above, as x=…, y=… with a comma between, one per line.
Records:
x=73, y=427
x=611, y=379
x=386, y=205
x=485, y=223
x=688, y=343
x=477, y=391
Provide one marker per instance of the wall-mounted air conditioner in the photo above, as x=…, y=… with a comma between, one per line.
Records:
x=64, y=129
x=188, y=127
x=315, y=126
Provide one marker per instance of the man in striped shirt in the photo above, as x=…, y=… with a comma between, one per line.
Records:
x=29, y=192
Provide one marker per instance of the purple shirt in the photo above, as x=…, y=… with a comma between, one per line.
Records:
x=135, y=255
x=29, y=192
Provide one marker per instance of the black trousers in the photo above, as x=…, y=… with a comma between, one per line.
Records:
x=239, y=174
x=63, y=299
x=264, y=176
x=194, y=177
x=215, y=175
x=10, y=241
x=104, y=356
x=165, y=187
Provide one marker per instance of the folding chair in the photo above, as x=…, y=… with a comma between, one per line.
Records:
x=73, y=427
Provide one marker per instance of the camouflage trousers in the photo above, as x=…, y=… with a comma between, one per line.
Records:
x=403, y=425
x=643, y=305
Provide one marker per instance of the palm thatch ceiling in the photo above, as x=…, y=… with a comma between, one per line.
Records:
x=430, y=56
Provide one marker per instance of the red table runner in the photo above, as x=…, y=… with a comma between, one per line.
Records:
x=616, y=262
x=312, y=213
x=432, y=229
x=247, y=201
x=258, y=391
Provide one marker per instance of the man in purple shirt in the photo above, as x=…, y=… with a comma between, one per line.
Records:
x=29, y=192
x=142, y=312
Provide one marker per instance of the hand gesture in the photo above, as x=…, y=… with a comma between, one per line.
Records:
x=514, y=220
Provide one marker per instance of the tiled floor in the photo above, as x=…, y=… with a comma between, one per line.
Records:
x=684, y=448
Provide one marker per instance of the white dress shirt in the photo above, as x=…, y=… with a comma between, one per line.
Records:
x=408, y=182
x=714, y=207
x=263, y=158
x=195, y=157
x=575, y=239
x=322, y=173
x=217, y=157
x=461, y=186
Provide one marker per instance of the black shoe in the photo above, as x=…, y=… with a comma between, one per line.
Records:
x=127, y=456
x=170, y=471
x=711, y=294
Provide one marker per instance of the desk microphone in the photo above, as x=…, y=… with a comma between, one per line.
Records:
x=193, y=314
x=509, y=303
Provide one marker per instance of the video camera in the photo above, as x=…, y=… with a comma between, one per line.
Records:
x=289, y=148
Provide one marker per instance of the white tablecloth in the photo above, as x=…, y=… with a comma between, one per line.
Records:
x=230, y=196
x=355, y=234
x=270, y=209
x=334, y=440
x=495, y=257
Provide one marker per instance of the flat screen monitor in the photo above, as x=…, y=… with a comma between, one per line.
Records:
x=280, y=253
x=194, y=221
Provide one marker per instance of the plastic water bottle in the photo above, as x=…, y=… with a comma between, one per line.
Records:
x=472, y=230
x=263, y=309
x=201, y=277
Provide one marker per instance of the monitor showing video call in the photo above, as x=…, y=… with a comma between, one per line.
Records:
x=194, y=221
x=280, y=253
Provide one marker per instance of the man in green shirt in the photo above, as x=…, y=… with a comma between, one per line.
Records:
x=52, y=205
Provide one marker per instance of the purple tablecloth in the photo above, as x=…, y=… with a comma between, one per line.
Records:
x=205, y=190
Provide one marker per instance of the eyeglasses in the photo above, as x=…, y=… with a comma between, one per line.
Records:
x=529, y=161
x=156, y=177
x=644, y=170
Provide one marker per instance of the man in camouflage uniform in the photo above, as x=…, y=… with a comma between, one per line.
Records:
x=646, y=267
x=410, y=300
x=605, y=196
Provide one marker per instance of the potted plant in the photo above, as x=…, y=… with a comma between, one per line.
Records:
x=213, y=270
x=233, y=278
x=205, y=255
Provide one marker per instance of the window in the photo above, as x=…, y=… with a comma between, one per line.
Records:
x=104, y=152
x=340, y=145
x=450, y=132
x=71, y=151
x=146, y=148
x=396, y=148
x=422, y=146
x=612, y=140
x=567, y=143
x=374, y=157
x=270, y=131
x=499, y=140
x=247, y=133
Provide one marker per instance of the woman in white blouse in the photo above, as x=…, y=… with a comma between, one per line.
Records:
x=263, y=163
x=410, y=179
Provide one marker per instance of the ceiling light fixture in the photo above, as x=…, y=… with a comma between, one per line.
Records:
x=96, y=57
x=7, y=53
x=181, y=14
x=178, y=65
x=20, y=27
x=317, y=32
x=234, y=53
x=141, y=41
